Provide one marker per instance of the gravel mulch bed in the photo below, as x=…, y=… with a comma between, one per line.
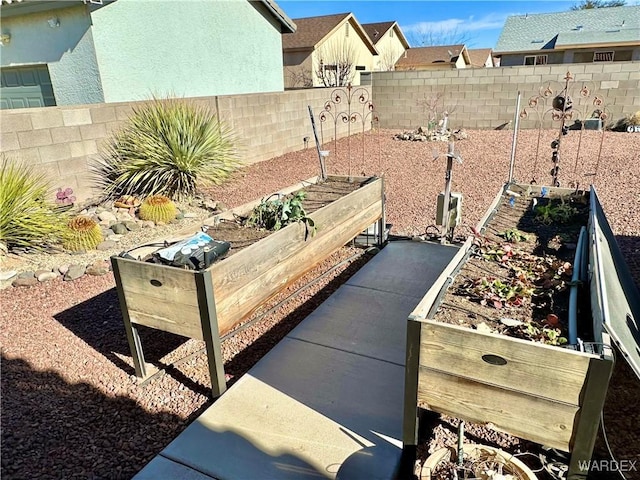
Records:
x=71, y=407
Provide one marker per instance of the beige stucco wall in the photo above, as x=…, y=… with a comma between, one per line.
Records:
x=390, y=49
x=63, y=141
x=362, y=55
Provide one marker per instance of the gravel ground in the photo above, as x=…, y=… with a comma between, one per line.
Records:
x=70, y=405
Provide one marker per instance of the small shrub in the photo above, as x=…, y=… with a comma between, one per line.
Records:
x=167, y=147
x=158, y=208
x=26, y=218
x=82, y=233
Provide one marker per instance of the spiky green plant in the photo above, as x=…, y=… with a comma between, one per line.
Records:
x=82, y=233
x=167, y=147
x=158, y=208
x=27, y=219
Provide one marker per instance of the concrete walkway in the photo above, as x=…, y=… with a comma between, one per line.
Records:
x=327, y=401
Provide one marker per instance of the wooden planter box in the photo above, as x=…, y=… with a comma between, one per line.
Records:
x=542, y=393
x=207, y=304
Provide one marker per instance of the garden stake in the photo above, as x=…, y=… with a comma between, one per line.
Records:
x=323, y=168
x=515, y=139
x=451, y=156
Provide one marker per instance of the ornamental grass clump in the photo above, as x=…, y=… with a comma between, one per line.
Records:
x=27, y=219
x=82, y=233
x=167, y=147
x=158, y=208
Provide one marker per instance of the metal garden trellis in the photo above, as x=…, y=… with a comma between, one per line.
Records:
x=563, y=109
x=351, y=98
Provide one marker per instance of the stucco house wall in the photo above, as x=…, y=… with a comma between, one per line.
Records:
x=390, y=49
x=362, y=55
x=167, y=47
x=66, y=48
x=128, y=50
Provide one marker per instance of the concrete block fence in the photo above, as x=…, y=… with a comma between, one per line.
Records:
x=62, y=141
x=486, y=98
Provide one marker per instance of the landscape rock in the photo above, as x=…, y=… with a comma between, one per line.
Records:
x=119, y=228
x=132, y=225
x=114, y=237
x=47, y=276
x=124, y=217
x=106, y=245
x=63, y=269
x=147, y=224
x=222, y=207
x=40, y=272
x=27, y=274
x=24, y=282
x=107, y=217
x=180, y=216
x=99, y=268
x=75, y=271
x=6, y=275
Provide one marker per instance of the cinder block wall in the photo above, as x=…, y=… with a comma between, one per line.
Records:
x=486, y=98
x=63, y=141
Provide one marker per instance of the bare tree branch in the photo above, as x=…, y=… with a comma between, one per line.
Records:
x=336, y=63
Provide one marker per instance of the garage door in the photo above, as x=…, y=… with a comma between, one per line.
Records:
x=23, y=87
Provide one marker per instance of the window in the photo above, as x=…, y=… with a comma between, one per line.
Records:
x=360, y=67
x=346, y=30
x=391, y=33
x=603, y=57
x=535, y=60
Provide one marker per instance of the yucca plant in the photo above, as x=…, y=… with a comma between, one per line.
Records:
x=157, y=208
x=167, y=147
x=82, y=233
x=27, y=219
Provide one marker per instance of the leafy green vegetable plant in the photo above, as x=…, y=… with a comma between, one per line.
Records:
x=513, y=235
x=27, y=219
x=167, y=147
x=277, y=211
x=554, y=212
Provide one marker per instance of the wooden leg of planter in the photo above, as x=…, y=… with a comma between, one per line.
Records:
x=210, y=332
x=382, y=223
x=595, y=392
x=131, y=330
x=410, y=420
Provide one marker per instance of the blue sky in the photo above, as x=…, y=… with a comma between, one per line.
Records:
x=478, y=22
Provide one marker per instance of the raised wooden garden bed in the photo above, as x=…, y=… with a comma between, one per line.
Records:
x=209, y=303
x=487, y=342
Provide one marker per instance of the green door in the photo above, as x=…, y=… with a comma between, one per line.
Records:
x=24, y=87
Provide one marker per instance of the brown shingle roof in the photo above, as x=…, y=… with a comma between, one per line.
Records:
x=478, y=56
x=430, y=55
x=311, y=30
x=376, y=30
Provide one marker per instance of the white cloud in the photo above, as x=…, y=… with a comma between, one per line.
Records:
x=470, y=24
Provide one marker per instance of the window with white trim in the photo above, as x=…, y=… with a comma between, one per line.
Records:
x=603, y=56
x=535, y=60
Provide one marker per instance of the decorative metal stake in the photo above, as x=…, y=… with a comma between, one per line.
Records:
x=349, y=115
x=451, y=156
x=563, y=109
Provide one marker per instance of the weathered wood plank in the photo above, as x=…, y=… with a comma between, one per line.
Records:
x=536, y=369
x=235, y=305
x=529, y=417
x=422, y=309
x=238, y=270
x=188, y=326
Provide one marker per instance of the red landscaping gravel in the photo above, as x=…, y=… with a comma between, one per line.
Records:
x=70, y=404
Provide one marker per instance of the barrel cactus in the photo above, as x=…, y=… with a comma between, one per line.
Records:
x=82, y=233
x=158, y=208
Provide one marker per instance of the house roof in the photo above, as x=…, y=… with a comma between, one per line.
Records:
x=478, y=56
x=286, y=23
x=611, y=25
x=431, y=55
x=376, y=31
x=311, y=31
